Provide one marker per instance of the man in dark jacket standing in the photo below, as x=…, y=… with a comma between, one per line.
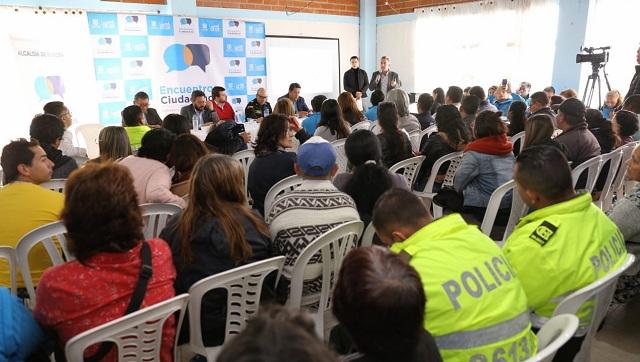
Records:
x=355, y=80
x=634, y=87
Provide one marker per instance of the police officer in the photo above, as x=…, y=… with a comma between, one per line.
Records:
x=476, y=308
x=565, y=244
x=258, y=108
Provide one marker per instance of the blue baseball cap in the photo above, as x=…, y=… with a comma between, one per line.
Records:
x=316, y=157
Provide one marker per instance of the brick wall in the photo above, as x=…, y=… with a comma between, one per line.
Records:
x=407, y=6
x=161, y=2
x=332, y=7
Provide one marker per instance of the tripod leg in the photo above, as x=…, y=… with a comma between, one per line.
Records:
x=599, y=93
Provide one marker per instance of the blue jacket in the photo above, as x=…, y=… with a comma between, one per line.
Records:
x=480, y=174
x=299, y=105
x=19, y=332
x=311, y=123
x=607, y=111
x=372, y=113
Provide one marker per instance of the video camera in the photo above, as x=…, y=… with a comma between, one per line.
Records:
x=593, y=55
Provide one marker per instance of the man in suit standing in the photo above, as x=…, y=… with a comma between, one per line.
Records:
x=384, y=79
x=151, y=117
x=201, y=109
x=355, y=80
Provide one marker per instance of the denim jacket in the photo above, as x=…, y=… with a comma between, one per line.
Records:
x=480, y=174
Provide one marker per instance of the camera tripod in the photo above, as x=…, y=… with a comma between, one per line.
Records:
x=589, y=88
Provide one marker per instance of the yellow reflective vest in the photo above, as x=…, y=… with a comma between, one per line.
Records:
x=561, y=248
x=476, y=308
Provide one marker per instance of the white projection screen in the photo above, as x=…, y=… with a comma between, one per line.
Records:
x=314, y=63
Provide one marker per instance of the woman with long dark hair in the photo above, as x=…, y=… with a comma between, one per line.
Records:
x=332, y=125
x=438, y=96
x=516, y=117
x=395, y=143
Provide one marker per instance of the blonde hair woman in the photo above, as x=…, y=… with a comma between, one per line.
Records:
x=284, y=106
x=113, y=143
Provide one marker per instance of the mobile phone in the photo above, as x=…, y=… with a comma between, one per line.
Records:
x=504, y=82
x=238, y=128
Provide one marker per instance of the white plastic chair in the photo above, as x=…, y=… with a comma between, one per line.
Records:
x=155, y=217
x=410, y=168
x=601, y=291
x=334, y=246
x=137, y=336
x=414, y=137
x=427, y=193
x=48, y=235
x=553, y=335
x=9, y=255
x=243, y=286
x=427, y=132
x=361, y=125
x=617, y=188
x=518, y=210
x=281, y=187
x=245, y=158
x=613, y=158
x=89, y=133
x=592, y=167
x=454, y=163
x=368, y=235
x=518, y=136
x=55, y=184
x=341, y=156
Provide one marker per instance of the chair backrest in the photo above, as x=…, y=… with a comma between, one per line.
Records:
x=155, y=217
x=553, y=335
x=454, y=163
x=518, y=137
x=341, y=155
x=9, y=254
x=436, y=166
x=55, y=184
x=617, y=186
x=281, y=187
x=410, y=168
x=428, y=131
x=90, y=134
x=243, y=286
x=137, y=336
x=592, y=167
x=361, y=125
x=611, y=165
x=245, y=158
x=49, y=235
x=414, y=137
x=518, y=209
x=334, y=246
x=368, y=235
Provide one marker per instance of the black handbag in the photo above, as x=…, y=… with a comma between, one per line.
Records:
x=449, y=199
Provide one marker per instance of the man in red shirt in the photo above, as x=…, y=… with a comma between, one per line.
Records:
x=223, y=108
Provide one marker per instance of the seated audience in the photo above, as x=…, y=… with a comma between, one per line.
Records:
x=438, y=99
x=258, y=108
x=454, y=96
x=110, y=252
x=425, y=101
x=273, y=162
x=367, y=178
x=566, y=238
x=300, y=107
x=186, y=150
x=555, y=103
x=151, y=176
x=487, y=163
x=177, y=124
x=350, y=112
x=216, y=232
x=491, y=95
x=25, y=205
x=485, y=105
x=569, y=93
x=132, y=119
x=625, y=125
x=49, y=130
x=523, y=91
x=406, y=120
x=20, y=335
x=451, y=137
x=581, y=144
x=298, y=217
x=451, y=256
x=311, y=122
x=466, y=91
x=332, y=125
x=503, y=99
x=540, y=104
x=277, y=334
x=113, y=143
x=613, y=103
x=601, y=129
x=284, y=106
x=380, y=301
x=538, y=132
x=224, y=139
x=549, y=91
x=200, y=111
x=376, y=97
x=61, y=111
x=223, y=108
x=395, y=143
x=516, y=117
x=468, y=110
x=151, y=116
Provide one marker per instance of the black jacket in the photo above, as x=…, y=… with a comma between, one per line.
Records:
x=207, y=115
x=356, y=80
x=62, y=165
x=634, y=87
x=152, y=117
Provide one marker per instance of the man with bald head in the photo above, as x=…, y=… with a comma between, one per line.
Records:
x=258, y=108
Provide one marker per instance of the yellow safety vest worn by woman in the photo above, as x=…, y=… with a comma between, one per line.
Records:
x=476, y=308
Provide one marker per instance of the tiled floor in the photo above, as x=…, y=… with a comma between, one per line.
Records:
x=619, y=339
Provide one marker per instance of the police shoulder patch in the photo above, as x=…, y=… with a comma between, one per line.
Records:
x=543, y=233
